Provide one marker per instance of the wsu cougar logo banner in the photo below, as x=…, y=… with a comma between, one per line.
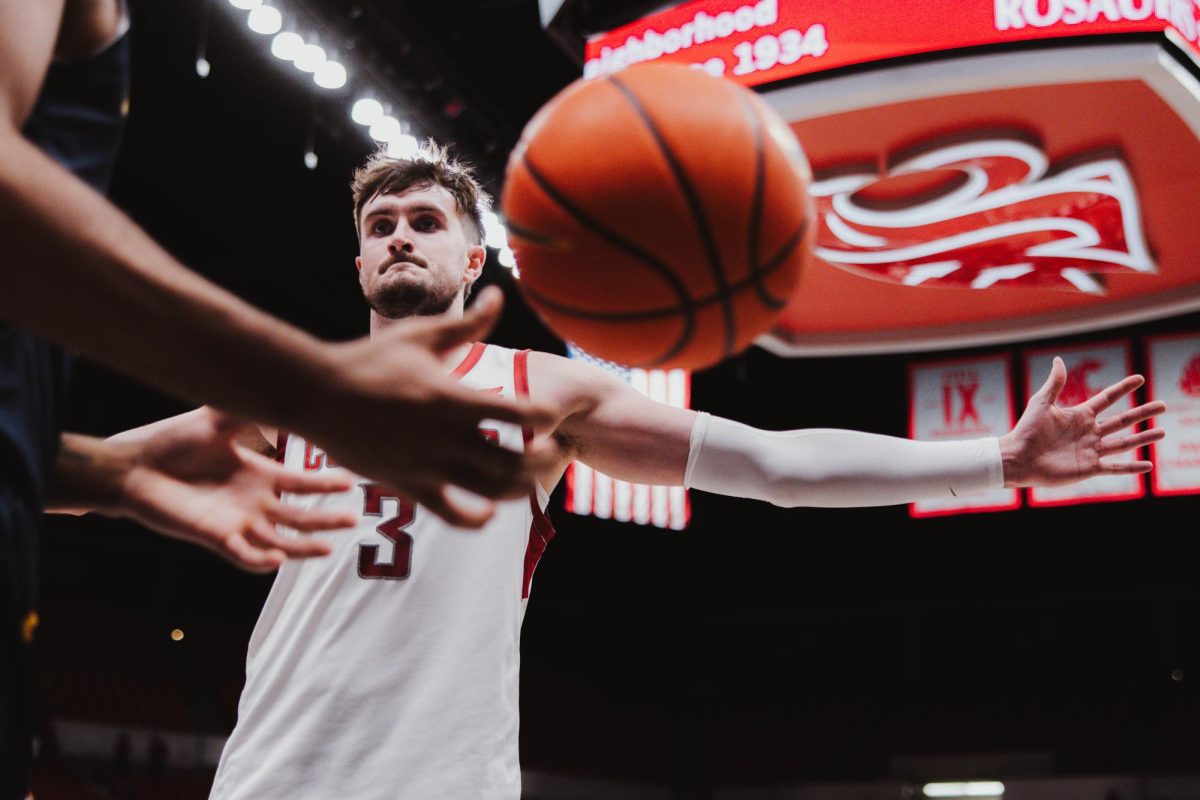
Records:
x=1173, y=376
x=1002, y=215
x=1090, y=368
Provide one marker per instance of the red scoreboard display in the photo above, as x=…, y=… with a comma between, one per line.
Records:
x=986, y=171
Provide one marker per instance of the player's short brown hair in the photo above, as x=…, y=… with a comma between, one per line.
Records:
x=432, y=164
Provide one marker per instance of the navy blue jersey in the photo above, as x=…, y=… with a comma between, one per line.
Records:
x=78, y=121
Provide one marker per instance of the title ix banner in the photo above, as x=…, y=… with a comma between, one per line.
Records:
x=966, y=398
x=770, y=40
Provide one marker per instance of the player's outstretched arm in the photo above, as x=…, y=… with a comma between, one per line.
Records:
x=188, y=478
x=77, y=271
x=1052, y=446
x=618, y=431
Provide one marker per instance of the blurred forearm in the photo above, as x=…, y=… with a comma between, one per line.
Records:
x=78, y=272
x=89, y=475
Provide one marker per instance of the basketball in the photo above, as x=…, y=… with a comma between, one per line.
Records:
x=660, y=217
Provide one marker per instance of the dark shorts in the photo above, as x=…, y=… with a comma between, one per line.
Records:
x=18, y=543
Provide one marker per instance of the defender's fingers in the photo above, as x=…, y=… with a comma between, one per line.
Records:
x=323, y=482
x=247, y=556
x=474, y=325
x=309, y=520
x=263, y=535
x=226, y=424
x=1131, y=417
x=500, y=473
x=1119, y=444
x=459, y=508
x=525, y=413
x=1106, y=397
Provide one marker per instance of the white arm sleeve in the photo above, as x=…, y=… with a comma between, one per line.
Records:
x=834, y=468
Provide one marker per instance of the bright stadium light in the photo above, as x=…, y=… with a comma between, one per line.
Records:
x=203, y=67
x=265, y=20
x=367, y=111
x=286, y=45
x=506, y=257
x=245, y=5
x=330, y=75
x=386, y=129
x=310, y=58
x=310, y=159
x=493, y=231
x=955, y=789
x=403, y=146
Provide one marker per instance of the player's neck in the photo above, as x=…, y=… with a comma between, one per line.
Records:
x=381, y=325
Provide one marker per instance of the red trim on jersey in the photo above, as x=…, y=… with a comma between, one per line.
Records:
x=469, y=362
x=281, y=439
x=541, y=531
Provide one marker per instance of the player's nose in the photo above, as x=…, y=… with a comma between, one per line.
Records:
x=400, y=241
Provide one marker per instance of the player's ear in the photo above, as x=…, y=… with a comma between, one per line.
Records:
x=476, y=256
x=358, y=263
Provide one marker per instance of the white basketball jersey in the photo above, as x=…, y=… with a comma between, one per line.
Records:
x=389, y=669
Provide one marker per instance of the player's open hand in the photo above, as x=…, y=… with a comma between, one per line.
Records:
x=396, y=417
x=190, y=480
x=1053, y=446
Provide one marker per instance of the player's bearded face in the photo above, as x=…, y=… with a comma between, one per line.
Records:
x=414, y=253
x=400, y=298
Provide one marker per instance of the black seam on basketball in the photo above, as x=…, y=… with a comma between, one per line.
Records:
x=530, y=235
x=693, y=202
x=775, y=263
x=756, y=205
x=687, y=305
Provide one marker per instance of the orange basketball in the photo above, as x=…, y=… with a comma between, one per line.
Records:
x=659, y=216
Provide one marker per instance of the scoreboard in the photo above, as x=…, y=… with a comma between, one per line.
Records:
x=987, y=171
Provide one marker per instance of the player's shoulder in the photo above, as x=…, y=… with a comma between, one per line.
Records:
x=566, y=380
x=557, y=367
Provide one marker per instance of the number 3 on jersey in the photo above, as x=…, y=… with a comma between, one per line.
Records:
x=392, y=529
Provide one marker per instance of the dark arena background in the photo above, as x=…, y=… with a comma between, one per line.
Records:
x=1044, y=651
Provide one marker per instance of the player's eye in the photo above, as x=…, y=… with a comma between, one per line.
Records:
x=383, y=226
x=427, y=223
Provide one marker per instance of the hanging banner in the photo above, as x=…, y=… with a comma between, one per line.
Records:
x=1173, y=376
x=955, y=400
x=593, y=493
x=1090, y=368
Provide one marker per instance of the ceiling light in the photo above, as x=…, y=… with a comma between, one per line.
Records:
x=310, y=58
x=386, y=129
x=367, y=111
x=964, y=789
x=330, y=75
x=265, y=20
x=286, y=45
x=493, y=230
x=403, y=146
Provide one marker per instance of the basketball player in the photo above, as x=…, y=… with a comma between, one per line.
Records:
x=389, y=669
x=76, y=271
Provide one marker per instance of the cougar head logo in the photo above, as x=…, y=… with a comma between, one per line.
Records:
x=1189, y=381
x=1077, y=388
x=1009, y=221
